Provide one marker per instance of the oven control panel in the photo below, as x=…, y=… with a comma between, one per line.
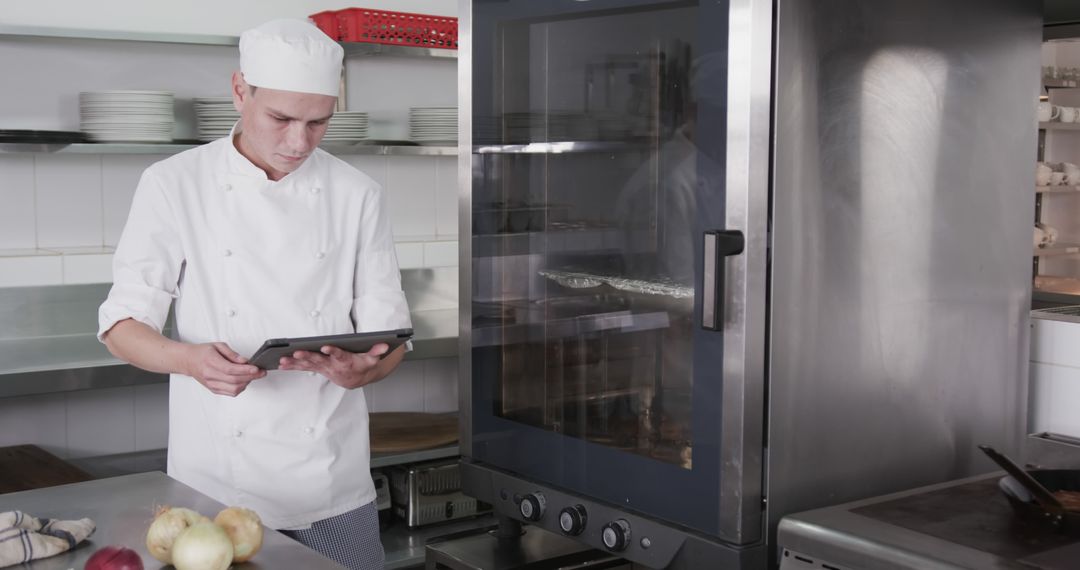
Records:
x=598, y=525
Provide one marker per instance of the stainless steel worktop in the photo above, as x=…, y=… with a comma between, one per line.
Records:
x=123, y=507
x=960, y=524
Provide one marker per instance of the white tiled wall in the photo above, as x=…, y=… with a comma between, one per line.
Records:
x=17, y=215
x=64, y=213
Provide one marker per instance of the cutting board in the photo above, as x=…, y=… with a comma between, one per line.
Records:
x=394, y=432
x=24, y=467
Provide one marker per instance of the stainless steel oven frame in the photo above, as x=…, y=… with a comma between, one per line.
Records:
x=744, y=314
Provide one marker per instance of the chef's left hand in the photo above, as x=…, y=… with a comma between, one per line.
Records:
x=346, y=369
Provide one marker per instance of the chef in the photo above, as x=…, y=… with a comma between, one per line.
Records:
x=263, y=235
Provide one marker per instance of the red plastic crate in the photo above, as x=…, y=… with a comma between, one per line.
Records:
x=327, y=21
x=397, y=28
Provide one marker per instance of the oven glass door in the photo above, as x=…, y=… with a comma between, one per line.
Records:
x=598, y=164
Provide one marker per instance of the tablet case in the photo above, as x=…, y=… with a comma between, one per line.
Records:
x=270, y=353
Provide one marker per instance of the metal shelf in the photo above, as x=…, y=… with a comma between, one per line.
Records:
x=1057, y=189
x=1051, y=83
x=362, y=148
x=351, y=48
x=366, y=49
x=1060, y=126
x=560, y=147
x=116, y=35
x=1057, y=249
x=62, y=363
x=387, y=459
x=1054, y=284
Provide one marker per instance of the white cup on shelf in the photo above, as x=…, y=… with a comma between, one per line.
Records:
x=1057, y=179
x=1068, y=114
x=1050, y=232
x=1042, y=174
x=1039, y=237
x=1072, y=173
x=1048, y=112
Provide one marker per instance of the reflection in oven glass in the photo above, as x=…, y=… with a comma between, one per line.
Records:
x=607, y=369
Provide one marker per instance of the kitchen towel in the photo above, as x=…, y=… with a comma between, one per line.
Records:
x=24, y=538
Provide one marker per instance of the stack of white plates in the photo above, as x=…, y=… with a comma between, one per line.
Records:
x=347, y=126
x=214, y=117
x=433, y=124
x=127, y=116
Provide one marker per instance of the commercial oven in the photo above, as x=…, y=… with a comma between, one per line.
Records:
x=726, y=260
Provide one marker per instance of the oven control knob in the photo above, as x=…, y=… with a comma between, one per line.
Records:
x=572, y=520
x=616, y=535
x=532, y=506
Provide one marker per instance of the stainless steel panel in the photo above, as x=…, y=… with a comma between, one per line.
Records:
x=465, y=252
x=430, y=493
x=749, y=99
x=901, y=254
x=1066, y=314
x=1047, y=450
x=666, y=546
x=844, y=536
x=708, y=288
x=535, y=550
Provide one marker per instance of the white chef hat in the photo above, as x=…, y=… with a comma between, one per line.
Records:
x=291, y=55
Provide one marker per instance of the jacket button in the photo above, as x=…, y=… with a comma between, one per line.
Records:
x=231, y=312
x=320, y=255
x=315, y=190
x=238, y=433
x=228, y=252
x=309, y=430
x=226, y=187
x=315, y=313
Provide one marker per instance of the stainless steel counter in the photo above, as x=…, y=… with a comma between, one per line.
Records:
x=959, y=524
x=123, y=507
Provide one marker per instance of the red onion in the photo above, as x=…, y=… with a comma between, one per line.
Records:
x=114, y=558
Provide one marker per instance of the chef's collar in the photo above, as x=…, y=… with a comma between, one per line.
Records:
x=241, y=165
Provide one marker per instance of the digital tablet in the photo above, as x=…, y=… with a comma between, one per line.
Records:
x=270, y=353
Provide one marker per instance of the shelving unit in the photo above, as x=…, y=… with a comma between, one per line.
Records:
x=1056, y=189
x=1045, y=284
x=1055, y=126
x=382, y=148
x=1057, y=249
x=351, y=48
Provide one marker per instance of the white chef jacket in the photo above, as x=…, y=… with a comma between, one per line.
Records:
x=248, y=259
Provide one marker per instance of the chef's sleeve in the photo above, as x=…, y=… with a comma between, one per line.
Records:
x=378, y=300
x=147, y=261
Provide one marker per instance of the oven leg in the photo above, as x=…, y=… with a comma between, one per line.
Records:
x=509, y=529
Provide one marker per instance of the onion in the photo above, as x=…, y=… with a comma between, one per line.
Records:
x=203, y=546
x=167, y=525
x=114, y=558
x=244, y=529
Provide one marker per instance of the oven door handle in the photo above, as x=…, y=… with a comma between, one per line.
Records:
x=718, y=244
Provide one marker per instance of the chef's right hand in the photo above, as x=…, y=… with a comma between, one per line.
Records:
x=221, y=369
